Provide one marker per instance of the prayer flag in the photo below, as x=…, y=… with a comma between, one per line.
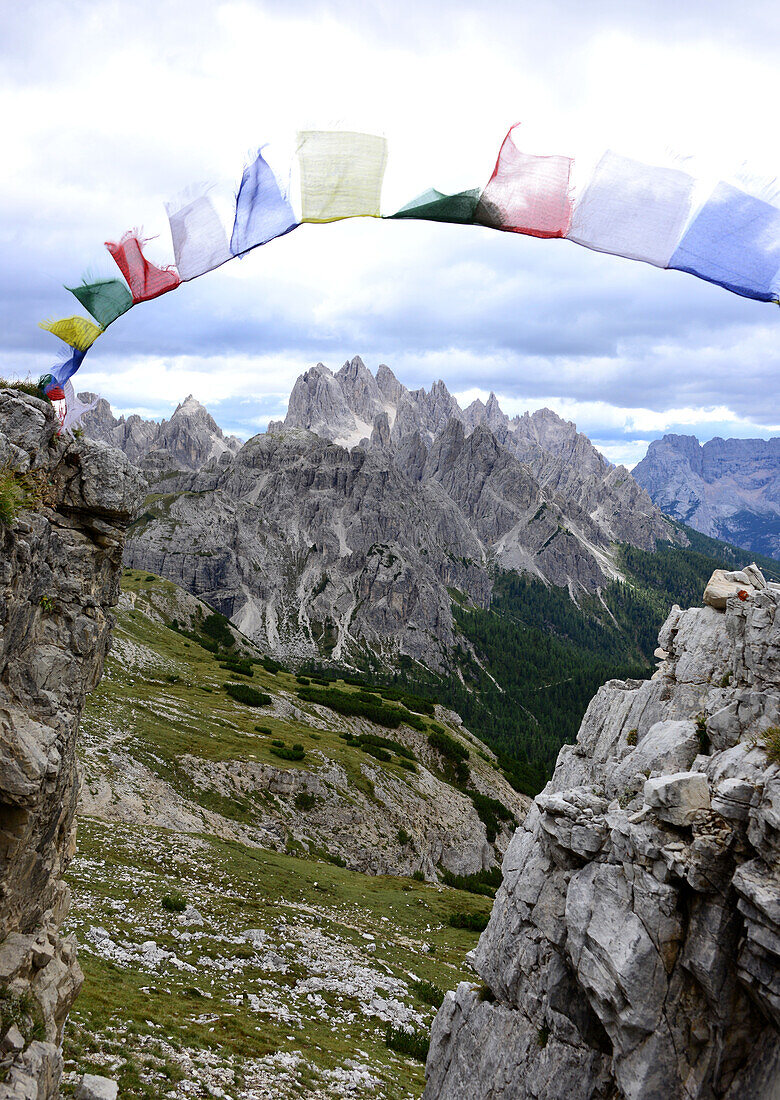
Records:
x=632, y=209
x=734, y=241
x=262, y=211
x=105, y=299
x=79, y=332
x=199, y=240
x=527, y=194
x=144, y=279
x=341, y=174
x=434, y=206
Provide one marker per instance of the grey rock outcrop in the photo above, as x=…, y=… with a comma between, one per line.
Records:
x=726, y=488
x=59, y=565
x=634, y=946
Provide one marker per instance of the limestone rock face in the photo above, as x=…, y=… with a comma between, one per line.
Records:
x=634, y=945
x=727, y=488
x=59, y=566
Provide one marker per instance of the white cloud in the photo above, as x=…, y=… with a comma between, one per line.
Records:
x=174, y=92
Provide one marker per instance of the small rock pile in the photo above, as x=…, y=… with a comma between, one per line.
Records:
x=634, y=945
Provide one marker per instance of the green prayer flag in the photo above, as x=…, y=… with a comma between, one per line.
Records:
x=105, y=299
x=433, y=206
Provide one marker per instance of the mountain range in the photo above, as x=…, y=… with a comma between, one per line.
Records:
x=500, y=564
x=344, y=530
x=726, y=488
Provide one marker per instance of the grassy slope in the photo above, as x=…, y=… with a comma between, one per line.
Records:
x=228, y=1021
x=176, y=705
x=232, y=1022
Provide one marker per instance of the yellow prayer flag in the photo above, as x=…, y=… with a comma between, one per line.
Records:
x=76, y=331
x=341, y=174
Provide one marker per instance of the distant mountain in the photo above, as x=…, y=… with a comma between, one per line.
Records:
x=318, y=539
x=727, y=488
x=355, y=408
x=185, y=442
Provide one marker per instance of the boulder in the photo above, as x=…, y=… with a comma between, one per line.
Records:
x=724, y=583
x=93, y=1087
x=677, y=798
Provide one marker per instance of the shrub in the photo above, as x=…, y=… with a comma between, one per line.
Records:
x=297, y=752
x=363, y=739
x=355, y=704
x=404, y=838
x=305, y=801
x=631, y=737
x=303, y=680
x=483, y=882
x=217, y=626
x=473, y=922
x=769, y=741
x=413, y=1043
x=279, y=744
x=14, y=495
x=239, y=665
x=705, y=746
x=243, y=693
x=428, y=993
x=174, y=902
x=418, y=876
x=490, y=812
x=447, y=746
x=408, y=765
x=272, y=666
x=377, y=752
x=264, y=729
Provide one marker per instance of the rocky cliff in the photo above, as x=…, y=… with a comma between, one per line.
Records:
x=318, y=540
x=633, y=947
x=727, y=488
x=65, y=507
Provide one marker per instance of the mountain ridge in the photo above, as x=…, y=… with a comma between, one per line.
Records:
x=726, y=488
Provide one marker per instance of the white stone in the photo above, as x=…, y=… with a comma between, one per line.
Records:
x=93, y=1087
x=677, y=798
x=723, y=584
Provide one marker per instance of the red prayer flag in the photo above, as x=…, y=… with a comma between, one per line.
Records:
x=527, y=194
x=144, y=279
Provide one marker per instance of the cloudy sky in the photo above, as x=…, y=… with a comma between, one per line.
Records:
x=109, y=108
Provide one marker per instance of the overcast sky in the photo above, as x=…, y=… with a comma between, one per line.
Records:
x=108, y=109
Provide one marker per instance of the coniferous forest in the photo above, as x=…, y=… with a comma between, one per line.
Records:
x=531, y=663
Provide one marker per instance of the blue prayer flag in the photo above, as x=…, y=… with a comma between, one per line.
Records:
x=734, y=241
x=262, y=211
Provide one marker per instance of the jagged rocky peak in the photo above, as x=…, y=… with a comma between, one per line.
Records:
x=59, y=574
x=726, y=488
x=185, y=442
x=634, y=946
